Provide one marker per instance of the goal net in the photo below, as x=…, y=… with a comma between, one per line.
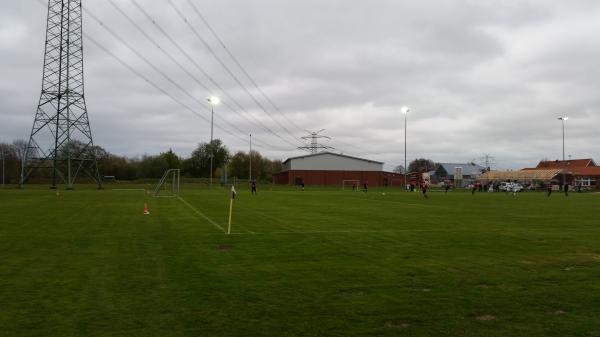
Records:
x=350, y=184
x=169, y=184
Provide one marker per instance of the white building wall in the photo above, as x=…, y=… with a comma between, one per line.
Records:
x=287, y=165
x=331, y=162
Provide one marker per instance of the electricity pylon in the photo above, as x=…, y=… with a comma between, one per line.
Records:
x=314, y=145
x=61, y=137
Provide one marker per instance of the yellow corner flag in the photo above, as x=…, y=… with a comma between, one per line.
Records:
x=233, y=194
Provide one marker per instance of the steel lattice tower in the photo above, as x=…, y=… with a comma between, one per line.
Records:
x=61, y=137
x=314, y=145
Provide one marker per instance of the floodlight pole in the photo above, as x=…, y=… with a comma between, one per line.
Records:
x=212, y=101
x=405, y=111
x=405, y=139
x=250, y=157
x=212, y=116
x=563, y=137
x=563, y=119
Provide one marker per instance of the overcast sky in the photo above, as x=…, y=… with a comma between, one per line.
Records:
x=481, y=77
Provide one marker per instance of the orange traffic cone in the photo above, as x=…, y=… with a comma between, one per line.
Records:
x=146, y=211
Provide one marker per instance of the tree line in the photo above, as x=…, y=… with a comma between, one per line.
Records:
x=196, y=165
x=418, y=165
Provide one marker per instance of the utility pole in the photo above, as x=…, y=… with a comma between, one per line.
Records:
x=61, y=114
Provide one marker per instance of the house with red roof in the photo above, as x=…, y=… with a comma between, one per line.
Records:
x=583, y=172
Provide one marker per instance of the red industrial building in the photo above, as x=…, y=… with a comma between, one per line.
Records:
x=332, y=169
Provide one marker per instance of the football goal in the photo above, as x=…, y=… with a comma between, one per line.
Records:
x=350, y=184
x=169, y=184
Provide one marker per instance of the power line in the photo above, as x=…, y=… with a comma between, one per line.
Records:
x=156, y=86
x=168, y=36
x=166, y=93
x=157, y=45
x=207, y=46
x=165, y=52
x=153, y=66
x=235, y=60
x=245, y=72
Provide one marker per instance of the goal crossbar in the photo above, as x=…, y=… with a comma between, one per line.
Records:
x=352, y=181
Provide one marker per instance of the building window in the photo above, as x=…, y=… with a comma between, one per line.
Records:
x=585, y=182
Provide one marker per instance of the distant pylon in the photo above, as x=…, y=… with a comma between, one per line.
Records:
x=314, y=145
x=61, y=137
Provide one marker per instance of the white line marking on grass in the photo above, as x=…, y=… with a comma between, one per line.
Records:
x=350, y=232
x=128, y=189
x=201, y=214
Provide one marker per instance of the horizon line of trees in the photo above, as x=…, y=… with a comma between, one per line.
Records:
x=418, y=165
x=197, y=165
x=153, y=166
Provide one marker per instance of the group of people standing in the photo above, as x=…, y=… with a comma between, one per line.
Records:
x=424, y=187
x=565, y=188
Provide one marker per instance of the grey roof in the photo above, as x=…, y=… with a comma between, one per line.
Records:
x=331, y=153
x=468, y=169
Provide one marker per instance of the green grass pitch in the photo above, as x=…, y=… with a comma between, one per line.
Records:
x=316, y=263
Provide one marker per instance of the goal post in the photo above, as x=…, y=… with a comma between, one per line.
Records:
x=346, y=183
x=168, y=185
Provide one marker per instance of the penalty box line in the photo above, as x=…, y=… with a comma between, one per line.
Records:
x=201, y=214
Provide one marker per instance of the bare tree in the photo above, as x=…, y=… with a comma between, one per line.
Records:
x=399, y=169
x=20, y=148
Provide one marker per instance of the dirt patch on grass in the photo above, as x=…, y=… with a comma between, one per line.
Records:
x=558, y=312
x=483, y=286
x=486, y=318
x=596, y=258
x=397, y=324
x=224, y=247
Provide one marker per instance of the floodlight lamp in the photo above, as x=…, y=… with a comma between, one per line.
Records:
x=405, y=110
x=214, y=100
x=563, y=118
